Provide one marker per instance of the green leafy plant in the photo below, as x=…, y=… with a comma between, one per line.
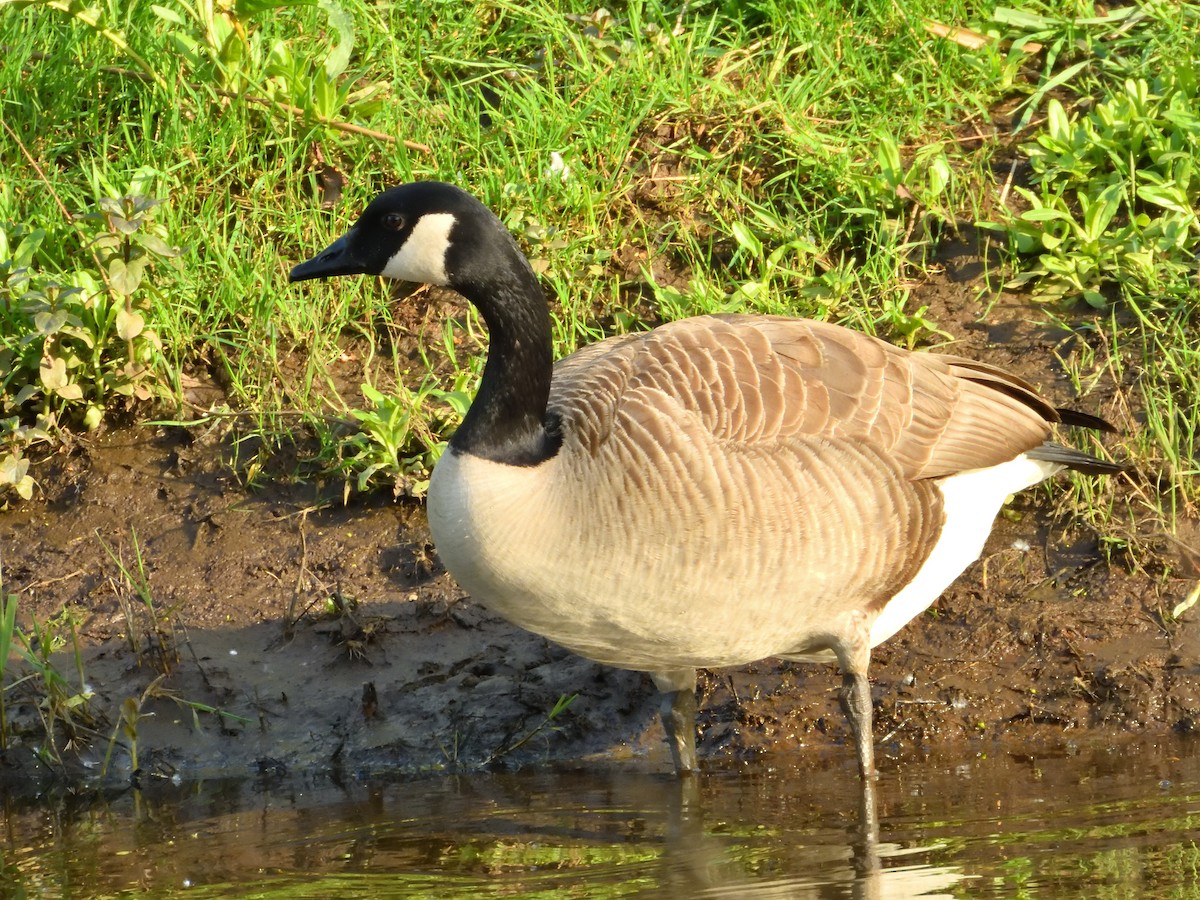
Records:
x=214, y=42
x=396, y=440
x=313, y=85
x=226, y=52
x=61, y=706
x=72, y=343
x=14, y=471
x=1116, y=199
x=910, y=327
x=789, y=261
x=130, y=715
x=561, y=705
x=895, y=189
x=1058, y=33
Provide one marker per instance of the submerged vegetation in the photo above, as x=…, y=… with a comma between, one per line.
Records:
x=167, y=162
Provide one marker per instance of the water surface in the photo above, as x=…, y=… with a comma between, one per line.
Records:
x=1118, y=821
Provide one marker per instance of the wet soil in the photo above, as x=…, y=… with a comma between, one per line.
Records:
x=330, y=639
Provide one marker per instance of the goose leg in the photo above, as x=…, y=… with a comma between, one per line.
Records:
x=679, y=719
x=855, y=698
x=678, y=710
x=854, y=656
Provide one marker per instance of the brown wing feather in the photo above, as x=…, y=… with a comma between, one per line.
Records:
x=752, y=379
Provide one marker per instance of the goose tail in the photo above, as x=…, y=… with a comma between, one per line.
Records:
x=1075, y=459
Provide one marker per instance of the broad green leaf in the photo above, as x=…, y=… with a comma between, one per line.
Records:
x=1102, y=211
x=1027, y=243
x=13, y=469
x=126, y=276
x=939, y=175
x=232, y=51
x=1044, y=214
x=342, y=22
x=26, y=392
x=888, y=158
x=458, y=401
x=54, y=373
x=28, y=246
x=48, y=323
x=1060, y=266
x=186, y=46
x=1020, y=19
x=54, y=377
x=107, y=241
x=746, y=239
x=168, y=14
x=129, y=324
x=156, y=245
x=324, y=96
x=1165, y=196
x=1057, y=122
x=122, y=224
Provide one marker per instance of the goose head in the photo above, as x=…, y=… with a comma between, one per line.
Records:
x=429, y=232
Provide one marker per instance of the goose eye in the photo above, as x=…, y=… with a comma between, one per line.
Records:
x=394, y=221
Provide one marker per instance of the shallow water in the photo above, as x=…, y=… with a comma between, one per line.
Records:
x=1110, y=822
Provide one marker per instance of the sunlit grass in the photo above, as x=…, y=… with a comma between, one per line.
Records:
x=798, y=158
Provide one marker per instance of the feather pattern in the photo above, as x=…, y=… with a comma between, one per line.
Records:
x=756, y=379
x=719, y=452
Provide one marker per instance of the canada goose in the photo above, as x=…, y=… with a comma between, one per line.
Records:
x=714, y=491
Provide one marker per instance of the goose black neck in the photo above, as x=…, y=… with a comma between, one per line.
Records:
x=507, y=422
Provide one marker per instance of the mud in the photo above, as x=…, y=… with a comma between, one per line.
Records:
x=330, y=639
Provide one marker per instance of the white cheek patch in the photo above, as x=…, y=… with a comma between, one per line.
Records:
x=422, y=258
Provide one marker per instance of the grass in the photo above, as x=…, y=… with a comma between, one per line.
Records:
x=803, y=157
x=149, y=630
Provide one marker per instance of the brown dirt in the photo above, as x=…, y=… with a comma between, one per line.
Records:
x=336, y=637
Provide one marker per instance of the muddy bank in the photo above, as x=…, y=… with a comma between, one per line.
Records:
x=386, y=665
x=330, y=633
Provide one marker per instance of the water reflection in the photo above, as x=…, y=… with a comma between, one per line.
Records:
x=1058, y=826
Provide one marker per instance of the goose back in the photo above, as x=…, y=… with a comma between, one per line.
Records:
x=760, y=379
